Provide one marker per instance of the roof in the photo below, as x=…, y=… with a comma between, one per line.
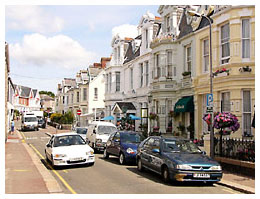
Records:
x=25, y=91
x=128, y=105
x=67, y=133
x=34, y=92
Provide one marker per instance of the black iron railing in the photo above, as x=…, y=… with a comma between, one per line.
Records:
x=240, y=149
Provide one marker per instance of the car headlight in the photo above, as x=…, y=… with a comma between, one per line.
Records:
x=99, y=140
x=90, y=153
x=60, y=155
x=215, y=168
x=130, y=150
x=183, y=167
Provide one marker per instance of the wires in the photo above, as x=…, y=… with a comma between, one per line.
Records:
x=31, y=77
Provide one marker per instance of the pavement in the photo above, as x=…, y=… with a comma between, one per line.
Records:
x=25, y=173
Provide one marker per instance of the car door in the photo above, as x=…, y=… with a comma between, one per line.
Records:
x=109, y=143
x=49, y=147
x=155, y=157
x=115, y=144
x=145, y=152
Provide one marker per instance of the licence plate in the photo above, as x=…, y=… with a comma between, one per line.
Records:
x=76, y=159
x=201, y=175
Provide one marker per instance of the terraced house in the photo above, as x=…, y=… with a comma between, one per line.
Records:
x=233, y=56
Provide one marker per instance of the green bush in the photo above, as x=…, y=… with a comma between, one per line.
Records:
x=56, y=117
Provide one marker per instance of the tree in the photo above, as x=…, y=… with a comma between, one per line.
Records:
x=49, y=93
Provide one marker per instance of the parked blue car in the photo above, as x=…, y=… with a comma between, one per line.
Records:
x=124, y=145
x=177, y=159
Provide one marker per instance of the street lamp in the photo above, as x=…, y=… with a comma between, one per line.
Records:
x=193, y=13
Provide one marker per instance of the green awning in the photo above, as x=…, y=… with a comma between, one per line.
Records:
x=184, y=104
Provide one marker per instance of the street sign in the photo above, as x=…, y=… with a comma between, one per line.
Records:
x=210, y=100
x=209, y=109
x=78, y=112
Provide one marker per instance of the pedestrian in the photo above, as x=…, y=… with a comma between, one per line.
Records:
x=12, y=127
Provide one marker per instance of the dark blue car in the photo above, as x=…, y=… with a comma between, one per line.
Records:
x=124, y=145
x=177, y=159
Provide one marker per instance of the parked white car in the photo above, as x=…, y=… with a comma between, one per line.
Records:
x=68, y=149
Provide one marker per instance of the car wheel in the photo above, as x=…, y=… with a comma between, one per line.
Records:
x=121, y=158
x=106, y=154
x=165, y=174
x=140, y=165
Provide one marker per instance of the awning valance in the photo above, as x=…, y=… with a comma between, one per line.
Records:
x=184, y=104
x=108, y=118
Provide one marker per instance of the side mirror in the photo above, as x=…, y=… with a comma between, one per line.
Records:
x=48, y=145
x=156, y=151
x=203, y=152
x=94, y=131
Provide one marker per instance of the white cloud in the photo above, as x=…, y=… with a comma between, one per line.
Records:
x=60, y=50
x=125, y=30
x=32, y=18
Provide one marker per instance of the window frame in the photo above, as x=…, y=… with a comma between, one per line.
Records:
x=224, y=60
x=227, y=105
x=205, y=55
x=169, y=62
x=146, y=73
x=117, y=81
x=247, y=113
x=95, y=93
x=141, y=74
x=188, y=59
x=246, y=38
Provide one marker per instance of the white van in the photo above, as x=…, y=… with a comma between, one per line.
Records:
x=29, y=122
x=98, y=134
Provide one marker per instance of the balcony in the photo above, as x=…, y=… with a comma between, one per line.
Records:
x=164, y=38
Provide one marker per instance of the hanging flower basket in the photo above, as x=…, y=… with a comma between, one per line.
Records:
x=153, y=116
x=226, y=122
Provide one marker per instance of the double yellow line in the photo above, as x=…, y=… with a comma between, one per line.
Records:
x=55, y=172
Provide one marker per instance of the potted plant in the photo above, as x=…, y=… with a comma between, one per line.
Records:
x=181, y=128
x=186, y=73
x=223, y=70
x=245, y=69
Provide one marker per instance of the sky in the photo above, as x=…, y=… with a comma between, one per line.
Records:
x=50, y=42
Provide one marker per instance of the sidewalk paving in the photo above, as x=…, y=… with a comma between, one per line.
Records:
x=25, y=173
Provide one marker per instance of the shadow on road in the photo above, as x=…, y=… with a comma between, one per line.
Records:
x=158, y=179
x=47, y=164
x=115, y=160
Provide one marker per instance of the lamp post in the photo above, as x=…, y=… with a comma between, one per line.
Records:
x=192, y=13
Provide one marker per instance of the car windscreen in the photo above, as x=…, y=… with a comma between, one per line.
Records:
x=106, y=129
x=131, y=138
x=81, y=131
x=30, y=119
x=68, y=140
x=170, y=145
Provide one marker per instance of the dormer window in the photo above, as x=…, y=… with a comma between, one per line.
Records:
x=168, y=24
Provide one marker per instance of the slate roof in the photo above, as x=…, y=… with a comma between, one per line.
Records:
x=184, y=28
x=25, y=91
x=34, y=92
